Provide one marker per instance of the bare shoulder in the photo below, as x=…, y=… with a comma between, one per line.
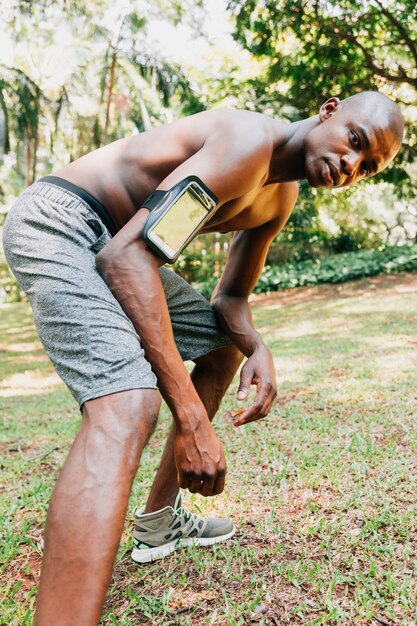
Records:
x=247, y=128
x=239, y=119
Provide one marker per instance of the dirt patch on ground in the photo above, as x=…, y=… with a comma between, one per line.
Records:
x=397, y=283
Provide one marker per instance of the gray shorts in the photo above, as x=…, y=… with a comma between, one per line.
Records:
x=51, y=237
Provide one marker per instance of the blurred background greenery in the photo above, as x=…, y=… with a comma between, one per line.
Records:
x=75, y=75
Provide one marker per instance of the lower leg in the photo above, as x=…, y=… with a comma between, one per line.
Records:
x=211, y=377
x=87, y=511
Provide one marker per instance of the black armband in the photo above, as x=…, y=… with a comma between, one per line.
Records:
x=176, y=216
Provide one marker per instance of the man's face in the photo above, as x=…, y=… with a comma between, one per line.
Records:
x=349, y=144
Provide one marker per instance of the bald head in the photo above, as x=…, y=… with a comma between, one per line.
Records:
x=352, y=139
x=379, y=105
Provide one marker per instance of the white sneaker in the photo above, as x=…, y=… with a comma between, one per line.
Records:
x=159, y=533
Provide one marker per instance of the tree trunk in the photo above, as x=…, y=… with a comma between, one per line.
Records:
x=28, y=159
x=4, y=129
x=109, y=95
x=147, y=125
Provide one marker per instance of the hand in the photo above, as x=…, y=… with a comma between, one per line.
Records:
x=199, y=458
x=258, y=370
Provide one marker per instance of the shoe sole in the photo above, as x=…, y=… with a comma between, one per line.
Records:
x=159, y=552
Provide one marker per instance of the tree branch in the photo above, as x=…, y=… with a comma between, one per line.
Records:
x=376, y=69
x=401, y=29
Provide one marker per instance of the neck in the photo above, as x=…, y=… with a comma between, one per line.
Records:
x=288, y=157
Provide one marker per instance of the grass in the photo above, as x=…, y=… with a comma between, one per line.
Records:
x=323, y=491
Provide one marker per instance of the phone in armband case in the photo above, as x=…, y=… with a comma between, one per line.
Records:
x=176, y=216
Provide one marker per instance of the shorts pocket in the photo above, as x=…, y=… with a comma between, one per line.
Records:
x=102, y=235
x=100, y=242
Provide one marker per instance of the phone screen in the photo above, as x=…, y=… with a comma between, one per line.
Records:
x=179, y=222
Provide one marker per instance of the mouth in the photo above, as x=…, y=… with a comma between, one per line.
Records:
x=334, y=173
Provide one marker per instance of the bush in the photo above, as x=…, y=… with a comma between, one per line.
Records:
x=338, y=268
x=350, y=239
x=335, y=268
x=204, y=258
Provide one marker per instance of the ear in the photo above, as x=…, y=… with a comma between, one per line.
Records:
x=329, y=108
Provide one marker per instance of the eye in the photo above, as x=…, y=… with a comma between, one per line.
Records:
x=355, y=140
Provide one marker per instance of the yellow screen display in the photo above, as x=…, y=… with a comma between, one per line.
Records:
x=180, y=221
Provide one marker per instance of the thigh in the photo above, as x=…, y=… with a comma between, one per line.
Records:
x=84, y=330
x=194, y=321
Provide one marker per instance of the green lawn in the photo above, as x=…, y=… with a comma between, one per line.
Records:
x=323, y=491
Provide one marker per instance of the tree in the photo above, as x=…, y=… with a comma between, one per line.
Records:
x=317, y=48
x=77, y=74
x=21, y=102
x=311, y=49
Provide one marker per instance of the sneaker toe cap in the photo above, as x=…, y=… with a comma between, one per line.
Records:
x=218, y=527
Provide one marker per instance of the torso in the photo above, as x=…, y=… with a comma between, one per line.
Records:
x=124, y=173
x=249, y=211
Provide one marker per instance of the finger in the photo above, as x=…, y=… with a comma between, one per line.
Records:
x=265, y=396
x=256, y=407
x=207, y=486
x=251, y=415
x=255, y=412
x=251, y=418
x=246, y=376
x=262, y=390
x=194, y=485
x=219, y=484
x=183, y=479
x=271, y=397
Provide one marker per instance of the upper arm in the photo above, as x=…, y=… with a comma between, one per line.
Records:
x=249, y=249
x=230, y=161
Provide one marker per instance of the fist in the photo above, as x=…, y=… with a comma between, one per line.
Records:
x=200, y=462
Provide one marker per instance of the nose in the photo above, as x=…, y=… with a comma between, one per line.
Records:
x=350, y=163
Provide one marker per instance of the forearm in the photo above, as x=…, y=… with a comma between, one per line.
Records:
x=131, y=273
x=236, y=320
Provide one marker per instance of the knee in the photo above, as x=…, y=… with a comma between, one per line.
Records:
x=149, y=410
x=129, y=416
x=142, y=411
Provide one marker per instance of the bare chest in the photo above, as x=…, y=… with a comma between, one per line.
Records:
x=249, y=211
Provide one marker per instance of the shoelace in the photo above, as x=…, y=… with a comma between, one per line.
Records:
x=191, y=519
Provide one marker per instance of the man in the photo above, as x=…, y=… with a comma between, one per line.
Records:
x=94, y=296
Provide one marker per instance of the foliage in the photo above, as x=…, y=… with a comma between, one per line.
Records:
x=351, y=225
x=21, y=102
x=313, y=49
x=333, y=268
x=79, y=75
x=334, y=47
x=204, y=258
x=338, y=268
